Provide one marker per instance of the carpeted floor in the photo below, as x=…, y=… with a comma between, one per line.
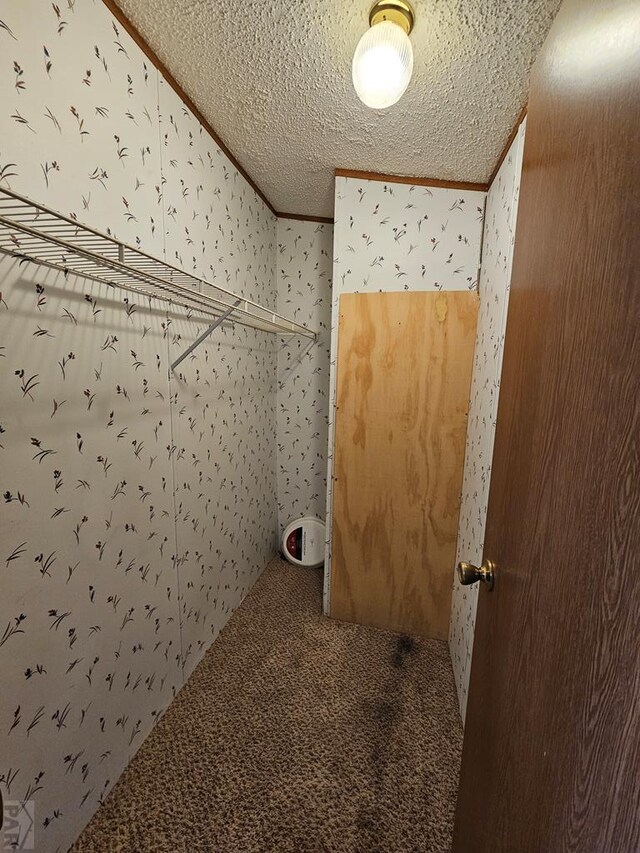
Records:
x=295, y=734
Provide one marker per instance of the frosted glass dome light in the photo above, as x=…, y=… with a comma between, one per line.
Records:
x=383, y=61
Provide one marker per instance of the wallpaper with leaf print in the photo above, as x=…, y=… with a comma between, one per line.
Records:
x=90, y=650
x=224, y=395
x=138, y=505
x=304, y=271
x=495, y=278
x=393, y=237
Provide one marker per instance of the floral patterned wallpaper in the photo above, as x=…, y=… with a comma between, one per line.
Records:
x=79, y=120
x=224, y=395
x=90, y=648
x=394, y=236
x=304, y=272
x=138, y=505
x=495, y=278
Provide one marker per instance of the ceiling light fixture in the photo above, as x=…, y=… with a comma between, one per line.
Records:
x=383, y=61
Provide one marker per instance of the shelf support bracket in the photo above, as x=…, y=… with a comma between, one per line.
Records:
x=205, y=334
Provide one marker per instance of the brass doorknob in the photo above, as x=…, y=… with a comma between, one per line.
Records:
x=468, y=574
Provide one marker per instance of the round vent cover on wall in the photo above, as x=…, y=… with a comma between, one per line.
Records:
x=303, y=542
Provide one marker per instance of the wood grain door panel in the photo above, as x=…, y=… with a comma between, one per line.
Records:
x=404, y=375
x=551, y=758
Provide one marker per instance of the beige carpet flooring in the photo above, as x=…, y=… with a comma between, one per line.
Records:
x=295, y=734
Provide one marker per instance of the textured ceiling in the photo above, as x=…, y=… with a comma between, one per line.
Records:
x=274, y=80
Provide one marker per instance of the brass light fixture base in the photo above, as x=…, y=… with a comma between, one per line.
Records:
x=397, y=11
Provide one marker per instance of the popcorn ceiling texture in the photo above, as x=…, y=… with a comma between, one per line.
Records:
x=274, y=80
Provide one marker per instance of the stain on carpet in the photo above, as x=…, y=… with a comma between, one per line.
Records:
x=295, y=734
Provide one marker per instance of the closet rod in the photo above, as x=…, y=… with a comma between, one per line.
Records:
x=30, y=231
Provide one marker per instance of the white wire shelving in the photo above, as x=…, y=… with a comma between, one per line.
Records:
x=30, y=231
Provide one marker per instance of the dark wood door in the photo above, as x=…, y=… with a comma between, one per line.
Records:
x=551, y=760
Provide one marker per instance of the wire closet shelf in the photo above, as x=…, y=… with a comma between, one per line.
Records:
x=30, y=231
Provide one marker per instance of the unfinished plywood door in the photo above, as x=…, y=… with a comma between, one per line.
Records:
x=404, y=374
